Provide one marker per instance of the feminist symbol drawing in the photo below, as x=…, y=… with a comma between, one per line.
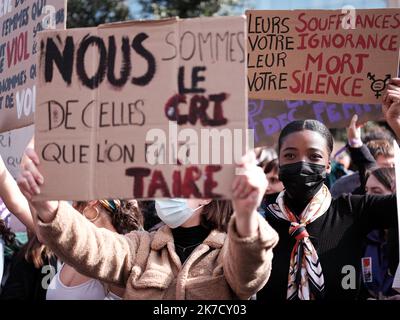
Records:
x=378, y=85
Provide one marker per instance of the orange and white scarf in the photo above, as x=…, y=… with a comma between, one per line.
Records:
x=306, y=280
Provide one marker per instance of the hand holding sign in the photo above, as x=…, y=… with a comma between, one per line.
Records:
x=391, y=105
x=249, y=188
x=29, y=183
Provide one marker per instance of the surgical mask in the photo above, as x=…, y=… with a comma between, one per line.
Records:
x=174, y=212
x=302, y=180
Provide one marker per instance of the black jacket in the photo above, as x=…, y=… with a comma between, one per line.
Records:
x=338, y=237
x=25, y=281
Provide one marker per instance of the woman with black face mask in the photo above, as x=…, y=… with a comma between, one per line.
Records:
x=321, y=239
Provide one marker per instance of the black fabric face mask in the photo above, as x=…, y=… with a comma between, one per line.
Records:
x=302, y=180
x=271, y=198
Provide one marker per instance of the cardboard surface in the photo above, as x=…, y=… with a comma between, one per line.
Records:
x=12, y=147
x=121, y=109
x=20, y=22
x=322, y=55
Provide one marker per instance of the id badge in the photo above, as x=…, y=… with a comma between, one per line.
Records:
x=366, y=264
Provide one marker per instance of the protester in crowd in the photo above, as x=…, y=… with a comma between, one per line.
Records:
x=320, y=237
x=375, y=152
x=119, y=216
x=265, y=155
x=11, y=243
x=196, y=255
x=31, y=271
x=340, y=163
x=378, y=132
x=16, y=204
x=381, y=181
x=382, y=151
x=275, y=186
x=6, y=234
x=344, y=159
x=377, y=278
x=7, y=238
x=271, y=170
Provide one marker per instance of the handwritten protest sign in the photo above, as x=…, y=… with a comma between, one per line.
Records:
x=20, y=22
x=322, y=55
x=268, y=118
x=142, y=109
x=12, y=147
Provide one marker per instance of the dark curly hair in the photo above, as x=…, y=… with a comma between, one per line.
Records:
x=6, y=233
x=127, y=217
x=125, y=214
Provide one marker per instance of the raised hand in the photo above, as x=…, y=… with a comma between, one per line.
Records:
x=248, y=189
x=29, y=182
x=391, y=105
x=354, y=133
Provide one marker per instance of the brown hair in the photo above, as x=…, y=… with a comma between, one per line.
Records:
x=380, y=148
x=125, y=218
x=216, y=215
x=6, y=233
x=386, y=177
x=271, y=166
x=128, y=217
x=37, y=253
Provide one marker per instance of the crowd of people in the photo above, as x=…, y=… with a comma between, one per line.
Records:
x=304, y=223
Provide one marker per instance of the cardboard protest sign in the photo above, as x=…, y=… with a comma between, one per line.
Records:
x=12, y=147
x=322, y=55
x=268, y=118
x=20, y=22
x=142, y=109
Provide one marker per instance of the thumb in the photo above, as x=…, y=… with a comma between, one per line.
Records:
x=247, y=161
x=249, y=158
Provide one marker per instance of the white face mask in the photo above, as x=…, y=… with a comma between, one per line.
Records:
x=174, y=212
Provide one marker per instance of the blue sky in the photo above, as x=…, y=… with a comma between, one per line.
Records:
x=295, y=4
